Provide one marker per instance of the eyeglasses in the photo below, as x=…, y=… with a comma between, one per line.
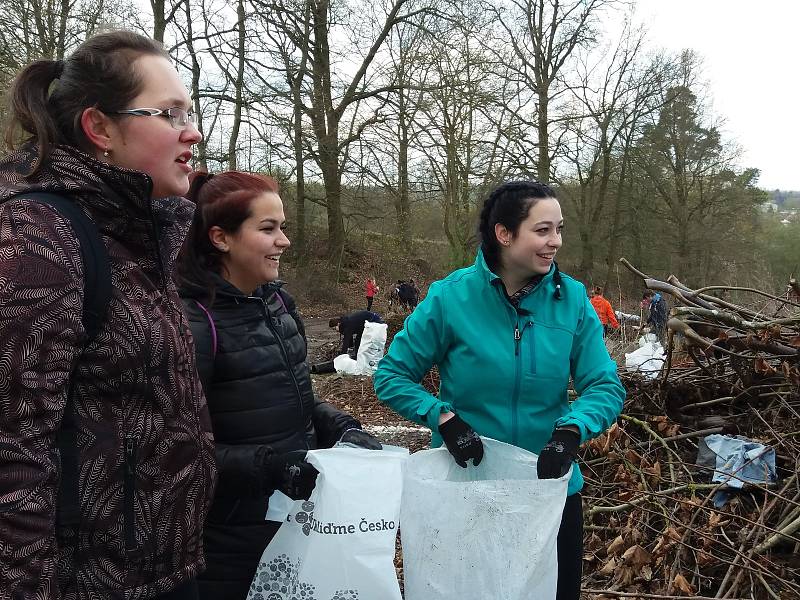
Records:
x=179, y=118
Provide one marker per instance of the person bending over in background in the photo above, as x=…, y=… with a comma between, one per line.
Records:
x=107, y=466
x=252, y=361
x=507, y=334
x=351, y=326
x=604, y=311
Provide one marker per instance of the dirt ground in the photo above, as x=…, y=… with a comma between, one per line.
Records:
x=355, y=395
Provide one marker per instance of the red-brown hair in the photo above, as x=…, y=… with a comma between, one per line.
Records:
x=222, y=200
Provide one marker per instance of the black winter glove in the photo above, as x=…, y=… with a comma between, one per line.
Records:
x=558, y=454
x=291, y=474
x=462, y=441
x=359, y=437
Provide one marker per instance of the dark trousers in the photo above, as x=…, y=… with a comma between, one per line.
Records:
x=570, y=550
x=369, y=302
x=185, y=591
x=232, y=556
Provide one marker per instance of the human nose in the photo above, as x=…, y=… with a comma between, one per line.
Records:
x=191, y=134
x=283, y=240
x=555, y=240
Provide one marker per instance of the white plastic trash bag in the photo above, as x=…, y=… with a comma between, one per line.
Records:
x=481, y=532
x=648, y=358
x=345, y=365
x=370, y=352
x=340, y=544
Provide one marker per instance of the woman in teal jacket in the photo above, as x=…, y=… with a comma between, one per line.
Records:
x=507, y=333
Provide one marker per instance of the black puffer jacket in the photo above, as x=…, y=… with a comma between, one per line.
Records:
x=259, y=392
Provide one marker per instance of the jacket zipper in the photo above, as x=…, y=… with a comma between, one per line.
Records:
x=517, y=374
x=129, y=516
x=286, y=358
x=161, y=269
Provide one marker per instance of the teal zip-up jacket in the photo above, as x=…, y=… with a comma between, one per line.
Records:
x=505, y=372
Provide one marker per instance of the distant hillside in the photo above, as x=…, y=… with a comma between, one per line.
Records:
x=785, y=198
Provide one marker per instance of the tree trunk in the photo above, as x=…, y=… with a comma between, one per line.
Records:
x=543, y=166
x=332, y=179
x=300, y=207
x=402, y=204
x=159, y=19
x=237, y=107
x=202, y=149
x=614, y=234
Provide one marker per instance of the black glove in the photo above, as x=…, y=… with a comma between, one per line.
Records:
x=359, y=437
x=291, y=474
x=462, y=441
x=556, y=457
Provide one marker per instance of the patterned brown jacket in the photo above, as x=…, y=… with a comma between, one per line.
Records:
x=146, y=454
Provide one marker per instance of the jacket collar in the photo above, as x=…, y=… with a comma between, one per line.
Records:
x=69, y=170
x=225, y=288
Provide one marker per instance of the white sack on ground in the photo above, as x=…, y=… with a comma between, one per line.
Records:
x=370, y=352
x=340, y=544
x=648, y=359
x=481, y=532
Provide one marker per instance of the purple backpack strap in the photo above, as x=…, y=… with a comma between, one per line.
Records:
x=213, y=329
x=278, y=293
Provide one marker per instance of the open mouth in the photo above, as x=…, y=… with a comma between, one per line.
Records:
x=276, y=259
x=184, y=158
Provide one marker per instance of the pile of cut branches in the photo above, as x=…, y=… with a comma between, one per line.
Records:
x=653, y=528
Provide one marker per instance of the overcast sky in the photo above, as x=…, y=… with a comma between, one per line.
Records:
x=751, y=57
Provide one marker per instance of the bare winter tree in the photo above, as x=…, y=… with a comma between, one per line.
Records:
x=339, y=86
x=464, y=126
x=164, y=12
x=544, y=34
x=282, y=71
x=390, y=147
x=616, y=89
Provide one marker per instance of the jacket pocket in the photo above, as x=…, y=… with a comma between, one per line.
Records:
x=550, y=350
x=129, y=490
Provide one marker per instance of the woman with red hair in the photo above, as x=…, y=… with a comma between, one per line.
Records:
x=251, y=359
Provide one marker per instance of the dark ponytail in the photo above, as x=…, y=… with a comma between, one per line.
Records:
x=48, y=97
x=29, y=103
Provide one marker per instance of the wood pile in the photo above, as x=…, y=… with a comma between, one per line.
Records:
x=652, y=528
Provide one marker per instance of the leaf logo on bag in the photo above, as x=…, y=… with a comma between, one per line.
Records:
x=305, y=516
x=278, y=581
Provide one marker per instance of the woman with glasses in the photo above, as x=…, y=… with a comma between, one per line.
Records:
x=107, y=456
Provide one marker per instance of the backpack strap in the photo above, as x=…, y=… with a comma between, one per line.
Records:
x=96, y=297
x=212, y=326
x=96, y=269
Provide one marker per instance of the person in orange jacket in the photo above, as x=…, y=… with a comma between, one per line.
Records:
x=603, y=309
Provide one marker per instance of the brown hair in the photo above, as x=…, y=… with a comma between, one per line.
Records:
x=48, y=97
x=221, y=200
